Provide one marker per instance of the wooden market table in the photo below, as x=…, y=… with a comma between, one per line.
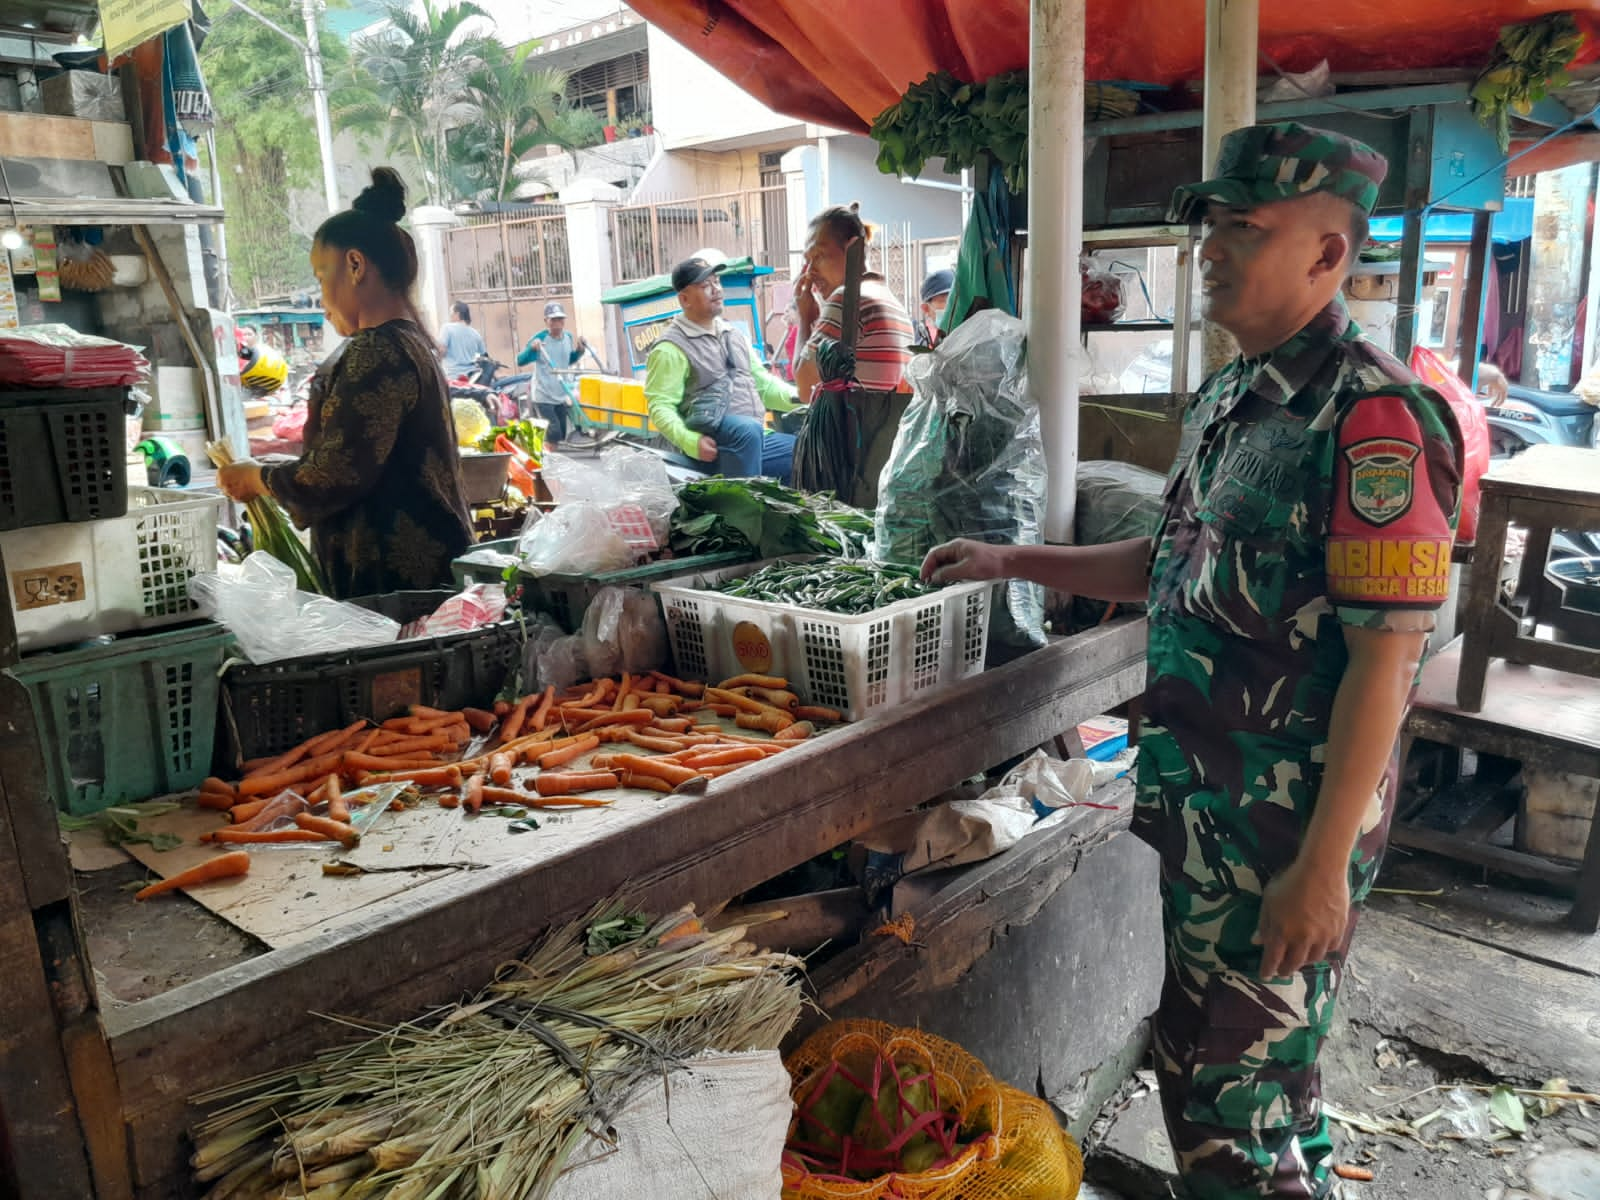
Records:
x=124, y=1094
x=1536, y=715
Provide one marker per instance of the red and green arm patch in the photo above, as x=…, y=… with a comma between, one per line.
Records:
x=1388, y=533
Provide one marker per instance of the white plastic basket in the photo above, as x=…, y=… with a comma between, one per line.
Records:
x=852, y=663
x=74, y=581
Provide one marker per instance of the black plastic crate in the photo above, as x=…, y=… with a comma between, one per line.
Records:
x=271, y=708
x=63, y=455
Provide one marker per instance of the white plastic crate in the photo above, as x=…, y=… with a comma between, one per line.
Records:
x=852, y=663
x=74, y=581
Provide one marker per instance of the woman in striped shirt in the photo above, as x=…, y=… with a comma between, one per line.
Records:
x=883, y=344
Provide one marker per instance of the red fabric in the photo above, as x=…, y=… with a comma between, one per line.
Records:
x=841, y=62
x=1474, y=423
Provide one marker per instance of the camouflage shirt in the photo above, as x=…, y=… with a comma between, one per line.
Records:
x=1315, y=486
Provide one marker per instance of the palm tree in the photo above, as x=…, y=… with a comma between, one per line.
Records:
x=519, y=108
x=418, y=66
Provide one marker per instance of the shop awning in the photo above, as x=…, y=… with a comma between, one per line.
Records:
x=841, y=62
x=1513, y=224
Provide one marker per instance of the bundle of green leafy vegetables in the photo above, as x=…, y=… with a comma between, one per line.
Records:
x=943, y=117
x=765, y=519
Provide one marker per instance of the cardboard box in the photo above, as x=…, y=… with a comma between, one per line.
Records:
x=178, y=394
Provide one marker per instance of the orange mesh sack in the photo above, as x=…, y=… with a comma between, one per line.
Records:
x=893, y=1114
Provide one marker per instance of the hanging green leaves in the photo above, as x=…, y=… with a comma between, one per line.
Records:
x=1529, y=61
x=941, y=117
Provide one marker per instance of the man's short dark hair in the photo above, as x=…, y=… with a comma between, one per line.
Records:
x=461, y=310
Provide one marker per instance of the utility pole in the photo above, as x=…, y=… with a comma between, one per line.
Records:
x=312, y=53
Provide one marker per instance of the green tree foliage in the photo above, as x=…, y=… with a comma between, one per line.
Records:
x=516, y=108
x=417, y=69
x=266, y=141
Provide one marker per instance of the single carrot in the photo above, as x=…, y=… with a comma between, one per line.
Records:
x=338, y=808
x=541, y=714
x=428, y=777
x=336, y=831
x=266, y=785
x=251, y=764
x=247, y=810
x=674, y=724
x=559, y=801
x=323, y=744
x=397, y=725
x=571, y=712
x=224, y=866
x=563, y=783
x=671, y=772
x=433, y=714
x=798, y=732
x=412, y=746
x=723, y=758
x=576, y=747
x=501, y=708
x=350, y=762
x=761, y=681
x=719, y=772
x=639, y=716
x=810, y=712
x=512, y=725
x=592, y=696
x=770, y=721
x=212, y=784
x=721, y=710
x=659, y=745
x=663, y=688
x=649, y=783
x=622, y=692
x=662, y=706
x=474, y=796
x=787, y=701
x=257, y=837
x=368, y=740
x=500, y=768
x=215, y=801
x=770, y=745
x=630, y=703
x=678, y=685
x=449, y=800
x=480, y=721
x=1357, y=1174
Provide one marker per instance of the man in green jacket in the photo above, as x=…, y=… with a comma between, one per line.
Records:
x=708, y=392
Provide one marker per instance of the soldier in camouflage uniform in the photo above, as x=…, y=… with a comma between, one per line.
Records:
x=1303, y=550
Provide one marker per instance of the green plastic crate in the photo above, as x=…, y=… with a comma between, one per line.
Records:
x=468, y=573
x=566, y=597
x=129, y=720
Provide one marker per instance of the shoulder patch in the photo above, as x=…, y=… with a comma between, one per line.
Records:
x=1382, y=478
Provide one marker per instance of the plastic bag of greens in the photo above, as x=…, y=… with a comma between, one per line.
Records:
x=1117, y=501
x=969, y=462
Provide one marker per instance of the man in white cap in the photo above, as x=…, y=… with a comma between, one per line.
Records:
x=550, y=350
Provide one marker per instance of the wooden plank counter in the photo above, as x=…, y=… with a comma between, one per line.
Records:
x=446, y=936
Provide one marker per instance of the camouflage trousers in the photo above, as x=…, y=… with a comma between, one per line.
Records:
x=1236, y=1057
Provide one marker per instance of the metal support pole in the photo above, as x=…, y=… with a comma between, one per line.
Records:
x=225, y=283
x=1413, y=248
x=1054, y=291
x=1474, y=297
x=1233, y=33
x=319, y=105
x=1591, y=330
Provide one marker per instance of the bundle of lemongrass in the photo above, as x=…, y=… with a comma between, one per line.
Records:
x=273, y=531
x=490, y=1099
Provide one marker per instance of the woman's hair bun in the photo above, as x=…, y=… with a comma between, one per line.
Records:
x=385, y=199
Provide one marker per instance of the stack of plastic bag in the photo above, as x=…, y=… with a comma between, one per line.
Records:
x=58, y=356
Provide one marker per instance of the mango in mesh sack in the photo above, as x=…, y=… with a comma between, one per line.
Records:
x=894, y=1114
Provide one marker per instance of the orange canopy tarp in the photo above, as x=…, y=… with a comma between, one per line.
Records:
x=841, y=62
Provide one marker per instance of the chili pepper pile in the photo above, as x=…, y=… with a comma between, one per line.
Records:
x=847, y=588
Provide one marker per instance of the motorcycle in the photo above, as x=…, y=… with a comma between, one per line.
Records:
x=1530, y=417
x=478, y=385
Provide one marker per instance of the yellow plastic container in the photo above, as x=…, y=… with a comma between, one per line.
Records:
x=612, y=401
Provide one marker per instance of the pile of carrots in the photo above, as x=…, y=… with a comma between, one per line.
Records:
x=667, y=732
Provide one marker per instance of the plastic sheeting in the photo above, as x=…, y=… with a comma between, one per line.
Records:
x=841, y=62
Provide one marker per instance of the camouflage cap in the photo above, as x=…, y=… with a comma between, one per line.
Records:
x=1263, y=163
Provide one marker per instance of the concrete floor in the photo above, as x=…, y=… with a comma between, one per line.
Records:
x=1454, y=982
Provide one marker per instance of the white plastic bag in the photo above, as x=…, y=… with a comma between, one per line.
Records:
x=673, y=1136
x=576, y=539
x=272, y=620
x=620, y=475
x=623, y=631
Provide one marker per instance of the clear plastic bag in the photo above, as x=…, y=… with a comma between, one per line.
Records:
x=1151, y=371
x=558, y=662
x=1117, y=501
x=623, y=631
x=576, y=539
x=272, y=620
x=969, y=462
x=1102, y=293
x=620, y=475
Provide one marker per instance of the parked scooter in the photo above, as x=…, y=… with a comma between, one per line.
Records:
x=1530, y=417
x=478, y=384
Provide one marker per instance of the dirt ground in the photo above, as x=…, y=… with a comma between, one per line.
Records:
x=1457, y=984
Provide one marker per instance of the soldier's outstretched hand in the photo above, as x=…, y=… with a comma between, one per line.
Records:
x=963, y=560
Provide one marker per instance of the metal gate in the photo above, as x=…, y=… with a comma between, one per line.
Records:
x=507, y=269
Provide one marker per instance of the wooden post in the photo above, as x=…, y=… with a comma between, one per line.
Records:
x=1233, y=32
x=1053, y=291
x=1474, y=296
x=1418, y=166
